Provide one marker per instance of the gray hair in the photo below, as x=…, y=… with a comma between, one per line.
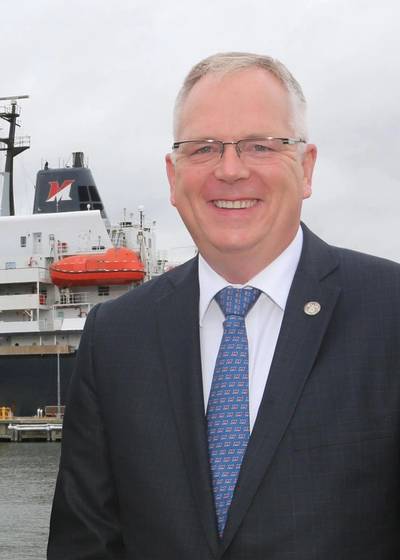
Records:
x=225, y=63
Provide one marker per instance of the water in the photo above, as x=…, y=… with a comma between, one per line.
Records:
x=27, y=477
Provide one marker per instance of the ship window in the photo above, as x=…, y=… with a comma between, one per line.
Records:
x=97, y=206
x=83, y=193
x=23, y=240
x=103, y=290
x=10, y=265
x=94, y=195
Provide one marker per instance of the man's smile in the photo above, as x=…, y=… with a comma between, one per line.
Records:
x=235, y=204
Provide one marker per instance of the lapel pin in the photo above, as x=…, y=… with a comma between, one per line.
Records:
x=312, y=308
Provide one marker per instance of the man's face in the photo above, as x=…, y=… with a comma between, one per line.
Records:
x=248, y=103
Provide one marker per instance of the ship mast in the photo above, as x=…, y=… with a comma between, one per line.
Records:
x=13, y=146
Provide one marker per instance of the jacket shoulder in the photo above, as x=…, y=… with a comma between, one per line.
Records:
x=321, y=258
x=355, y=263
x=147, y=294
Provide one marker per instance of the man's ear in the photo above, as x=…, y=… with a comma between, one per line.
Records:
x=170, y=166
x=309, y=159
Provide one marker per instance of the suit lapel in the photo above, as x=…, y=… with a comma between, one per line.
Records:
x=179, y=333
x=297, y=347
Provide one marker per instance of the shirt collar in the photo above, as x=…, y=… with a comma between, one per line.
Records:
x=274, y=280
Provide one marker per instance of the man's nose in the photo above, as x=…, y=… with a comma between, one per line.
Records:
x=230, y=167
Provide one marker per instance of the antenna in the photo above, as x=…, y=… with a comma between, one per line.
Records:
x=12, y=146
x=14, y=98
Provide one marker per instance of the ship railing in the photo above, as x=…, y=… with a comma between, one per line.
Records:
x=118, y=238
x=8, y=109
x=62, y=247
x=34, y=427
x=46, y=431
x=19, y=142
x=22, y=142
x=75, y=298
x=62, y=252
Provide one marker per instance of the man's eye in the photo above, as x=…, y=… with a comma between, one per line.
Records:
x=202, y=150
x=261, y=148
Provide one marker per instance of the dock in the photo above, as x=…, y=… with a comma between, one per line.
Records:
x=31, y=428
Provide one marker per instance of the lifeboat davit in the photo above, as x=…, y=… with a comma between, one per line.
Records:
x=115, y=266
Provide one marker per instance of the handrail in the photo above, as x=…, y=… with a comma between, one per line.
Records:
x=34, y=427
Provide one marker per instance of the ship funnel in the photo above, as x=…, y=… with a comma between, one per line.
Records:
x=77, y=159
x=66, y=189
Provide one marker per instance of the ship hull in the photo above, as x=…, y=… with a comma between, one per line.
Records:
x=30, y=382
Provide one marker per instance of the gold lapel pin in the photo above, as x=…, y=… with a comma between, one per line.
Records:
x=312, y=308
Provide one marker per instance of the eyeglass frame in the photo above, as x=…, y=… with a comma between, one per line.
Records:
x=284, y=140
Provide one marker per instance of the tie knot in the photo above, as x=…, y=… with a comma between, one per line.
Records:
x=237, y=301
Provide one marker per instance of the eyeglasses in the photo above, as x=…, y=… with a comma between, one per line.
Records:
x=253, y=150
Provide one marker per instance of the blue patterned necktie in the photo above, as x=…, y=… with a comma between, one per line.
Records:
x=228, y=405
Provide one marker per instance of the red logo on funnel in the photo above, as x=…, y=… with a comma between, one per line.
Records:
x=59, y=192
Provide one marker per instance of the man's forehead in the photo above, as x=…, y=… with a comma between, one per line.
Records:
x=233, y=80
x=243, y=95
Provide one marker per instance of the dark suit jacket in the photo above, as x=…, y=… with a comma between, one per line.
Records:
x=320, y=478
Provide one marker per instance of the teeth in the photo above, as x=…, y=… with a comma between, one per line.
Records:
x=236, y=204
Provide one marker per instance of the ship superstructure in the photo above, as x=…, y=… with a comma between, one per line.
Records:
x=55, y=265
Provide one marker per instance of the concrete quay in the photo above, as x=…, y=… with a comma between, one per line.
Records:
x=31, y=428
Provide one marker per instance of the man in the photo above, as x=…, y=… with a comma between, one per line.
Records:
x=244, y=406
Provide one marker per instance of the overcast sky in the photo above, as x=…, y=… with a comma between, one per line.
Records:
x=102, y=77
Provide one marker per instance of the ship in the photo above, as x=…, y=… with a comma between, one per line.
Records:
x=55, y=265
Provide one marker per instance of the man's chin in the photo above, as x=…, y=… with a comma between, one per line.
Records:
x=229, y=247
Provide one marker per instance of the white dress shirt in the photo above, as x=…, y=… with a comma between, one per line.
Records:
x=263, y=322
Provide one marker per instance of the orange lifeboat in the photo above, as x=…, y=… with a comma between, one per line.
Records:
x=115, y=266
